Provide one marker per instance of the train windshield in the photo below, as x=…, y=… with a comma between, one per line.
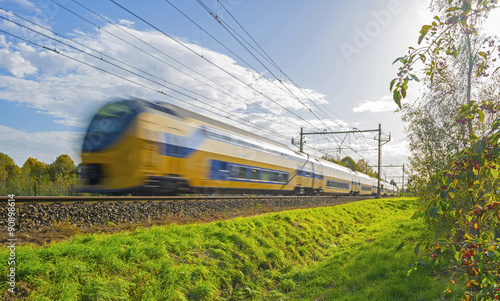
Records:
x=108, y=124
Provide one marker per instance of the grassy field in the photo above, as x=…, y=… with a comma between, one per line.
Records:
x=345, y=252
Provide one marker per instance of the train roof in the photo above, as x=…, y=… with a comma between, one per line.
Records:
x=183, y=113
x=171, y=109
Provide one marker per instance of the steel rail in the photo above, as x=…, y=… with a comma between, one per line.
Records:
x=91, y=199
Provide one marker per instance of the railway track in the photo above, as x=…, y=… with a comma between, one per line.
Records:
x=126, y=199
x=50, y=214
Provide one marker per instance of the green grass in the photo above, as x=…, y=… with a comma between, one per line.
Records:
x=345, y=252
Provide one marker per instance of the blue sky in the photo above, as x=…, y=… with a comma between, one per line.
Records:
x=340, y=52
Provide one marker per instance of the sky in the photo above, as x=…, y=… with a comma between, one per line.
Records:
x=320, y=65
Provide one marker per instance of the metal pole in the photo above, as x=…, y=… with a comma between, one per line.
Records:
x=301, y=142
x=403, y=186
x=379, y=158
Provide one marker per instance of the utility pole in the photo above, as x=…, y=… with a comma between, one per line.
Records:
x=301, y=140
x=403, y=185
x=403, y=176
x=379, y=130
x=379, y=159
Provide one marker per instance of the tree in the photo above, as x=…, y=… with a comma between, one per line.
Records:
x=8, y=168
x=394, y=183
x=350, y=163
x=463, y=177
x=63, y=165
x=35, y=168
x=331, y=158
x=364, y=168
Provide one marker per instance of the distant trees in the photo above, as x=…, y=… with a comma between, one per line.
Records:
x=360, y=166
x=350, y=163
x=63, y=166
x=8, y=169
x=56, y=178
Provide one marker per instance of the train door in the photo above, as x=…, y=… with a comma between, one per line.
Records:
x=147, y=154
x=175, y=150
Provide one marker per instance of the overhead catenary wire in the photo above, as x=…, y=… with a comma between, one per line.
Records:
x=210, y=62
x=235, y=35
x=177, y=42
x=233, y=32
x=127, y=79
x=149, y=74
x=234, y=96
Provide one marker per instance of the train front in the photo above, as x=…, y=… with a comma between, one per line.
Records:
x=110, y=149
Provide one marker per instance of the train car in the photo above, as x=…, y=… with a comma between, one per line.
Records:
x=339, y=179
x=366, y=183
x=140, y=147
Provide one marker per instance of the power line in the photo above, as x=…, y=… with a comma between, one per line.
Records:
x=160, y=51
x=207, y=60
x=228, y=28
x=122, y=77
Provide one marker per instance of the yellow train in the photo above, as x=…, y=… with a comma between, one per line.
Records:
x=140, y=147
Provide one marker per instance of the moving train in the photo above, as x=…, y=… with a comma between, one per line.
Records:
x=145, y=148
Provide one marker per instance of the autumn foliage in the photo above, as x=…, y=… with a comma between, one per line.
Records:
x=462, y=195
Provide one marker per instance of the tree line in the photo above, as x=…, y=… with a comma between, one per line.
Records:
x=36, y=177
x=360, y=166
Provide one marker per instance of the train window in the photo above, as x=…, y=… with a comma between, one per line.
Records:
x=284, y=178
x=234, y=171
x=255, y=174
x=108, y=124
x=274, y=177
x=242, y=174
x=265, y=175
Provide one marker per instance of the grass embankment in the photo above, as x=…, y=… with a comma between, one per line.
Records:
x=345, y=252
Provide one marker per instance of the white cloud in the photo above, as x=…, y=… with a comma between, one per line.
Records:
x=384, y=104
x=59, y=86
x=45, y=146
x=26, y=5
x=16, y=63
x=126, y=23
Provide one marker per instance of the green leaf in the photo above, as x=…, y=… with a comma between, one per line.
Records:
x=423, y=32
x=397, y=98
x=481, y=147
x=417, y=249
x=400, y=246
x=392, y=83
x=490, y=254
x=415, y=78
x=452, y=9
x=494, y=173
x=423, y=57
x=418, y=214
x=481, y=116
x=433, y=212
x=400, y=59
x=483, y=54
